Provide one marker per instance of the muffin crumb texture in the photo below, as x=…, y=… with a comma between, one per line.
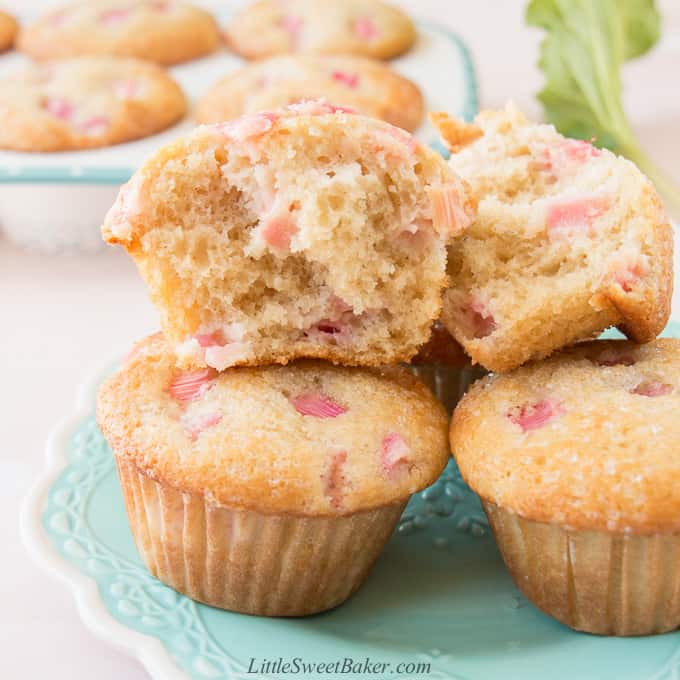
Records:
x=568, y=240
x=306, y=232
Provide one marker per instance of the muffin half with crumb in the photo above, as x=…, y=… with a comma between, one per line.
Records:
x=267, y=490
x=305, y=232
x=569, y=240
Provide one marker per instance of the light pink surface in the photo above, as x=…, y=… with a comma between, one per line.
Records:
x=62, y=317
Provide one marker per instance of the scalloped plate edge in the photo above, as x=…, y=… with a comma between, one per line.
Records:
x=91, y=608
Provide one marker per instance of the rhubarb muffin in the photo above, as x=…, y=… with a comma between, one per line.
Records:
x=443, y=365
x=306, y=232
x=162, y=31
x=369, y=86
x=576, y=459
x=569, y=240
x=84, y=103
x=267, y=490
x=368, y=28
x=8, y=31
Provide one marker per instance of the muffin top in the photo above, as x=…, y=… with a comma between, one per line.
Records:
x=305, y=439
x=86, y=102
x=163, y=31
x=363, y=27
x=369, y=86
x=587, y=439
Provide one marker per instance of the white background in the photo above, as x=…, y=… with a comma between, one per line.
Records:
x=61, y=317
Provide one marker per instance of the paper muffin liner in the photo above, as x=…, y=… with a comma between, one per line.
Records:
x=449, y=383
x=245, y=561
x=593, y=581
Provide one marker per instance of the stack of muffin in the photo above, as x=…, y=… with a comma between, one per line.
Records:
x=252, y=483
x=310, y=232
x=575, y=457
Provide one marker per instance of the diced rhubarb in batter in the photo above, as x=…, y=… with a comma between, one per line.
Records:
x=652, y=388
x=476, y=319
x=330, y=331
x=247, y=128
x=160, y=5
x=194, y=425
x=578, y=150
x=349, y=79
x=292, y=24
x=95, y=125
x=125, y=89
x=216, y=338
x=278, y=229
x=365, y=28
x=448, y=214
x=318, y=107
x=394, y=451
x=628, y=268
x=534, y=416
x=191, y=385
x=334, y=478
x=59, y=107
x=613, y=357
x=317, y=405
x=572, y=216
x=114, y=17
x=567, y=155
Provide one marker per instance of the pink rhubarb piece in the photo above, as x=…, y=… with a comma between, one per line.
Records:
x=277, y=230
x=126, y=89
x=190, y=385
x=327, y=330
x=479, y=322
x=197, y=424
x=334, y=478
x=534, y=416
x=291, y=24
x=579, y=150
x=95, y=125
x=448, y=214
x=317, y=405
x=365, y=28
x=628, y=277
x=248, y=127
x=394, y=451
x=317, y=107
x=114, y=17
x=59, y=107
x=571, y=216
x=652, y=388
x=349, y=79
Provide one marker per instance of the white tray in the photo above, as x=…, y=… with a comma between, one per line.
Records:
x=56, y=201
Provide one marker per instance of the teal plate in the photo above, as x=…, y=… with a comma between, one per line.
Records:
x=438, y=604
